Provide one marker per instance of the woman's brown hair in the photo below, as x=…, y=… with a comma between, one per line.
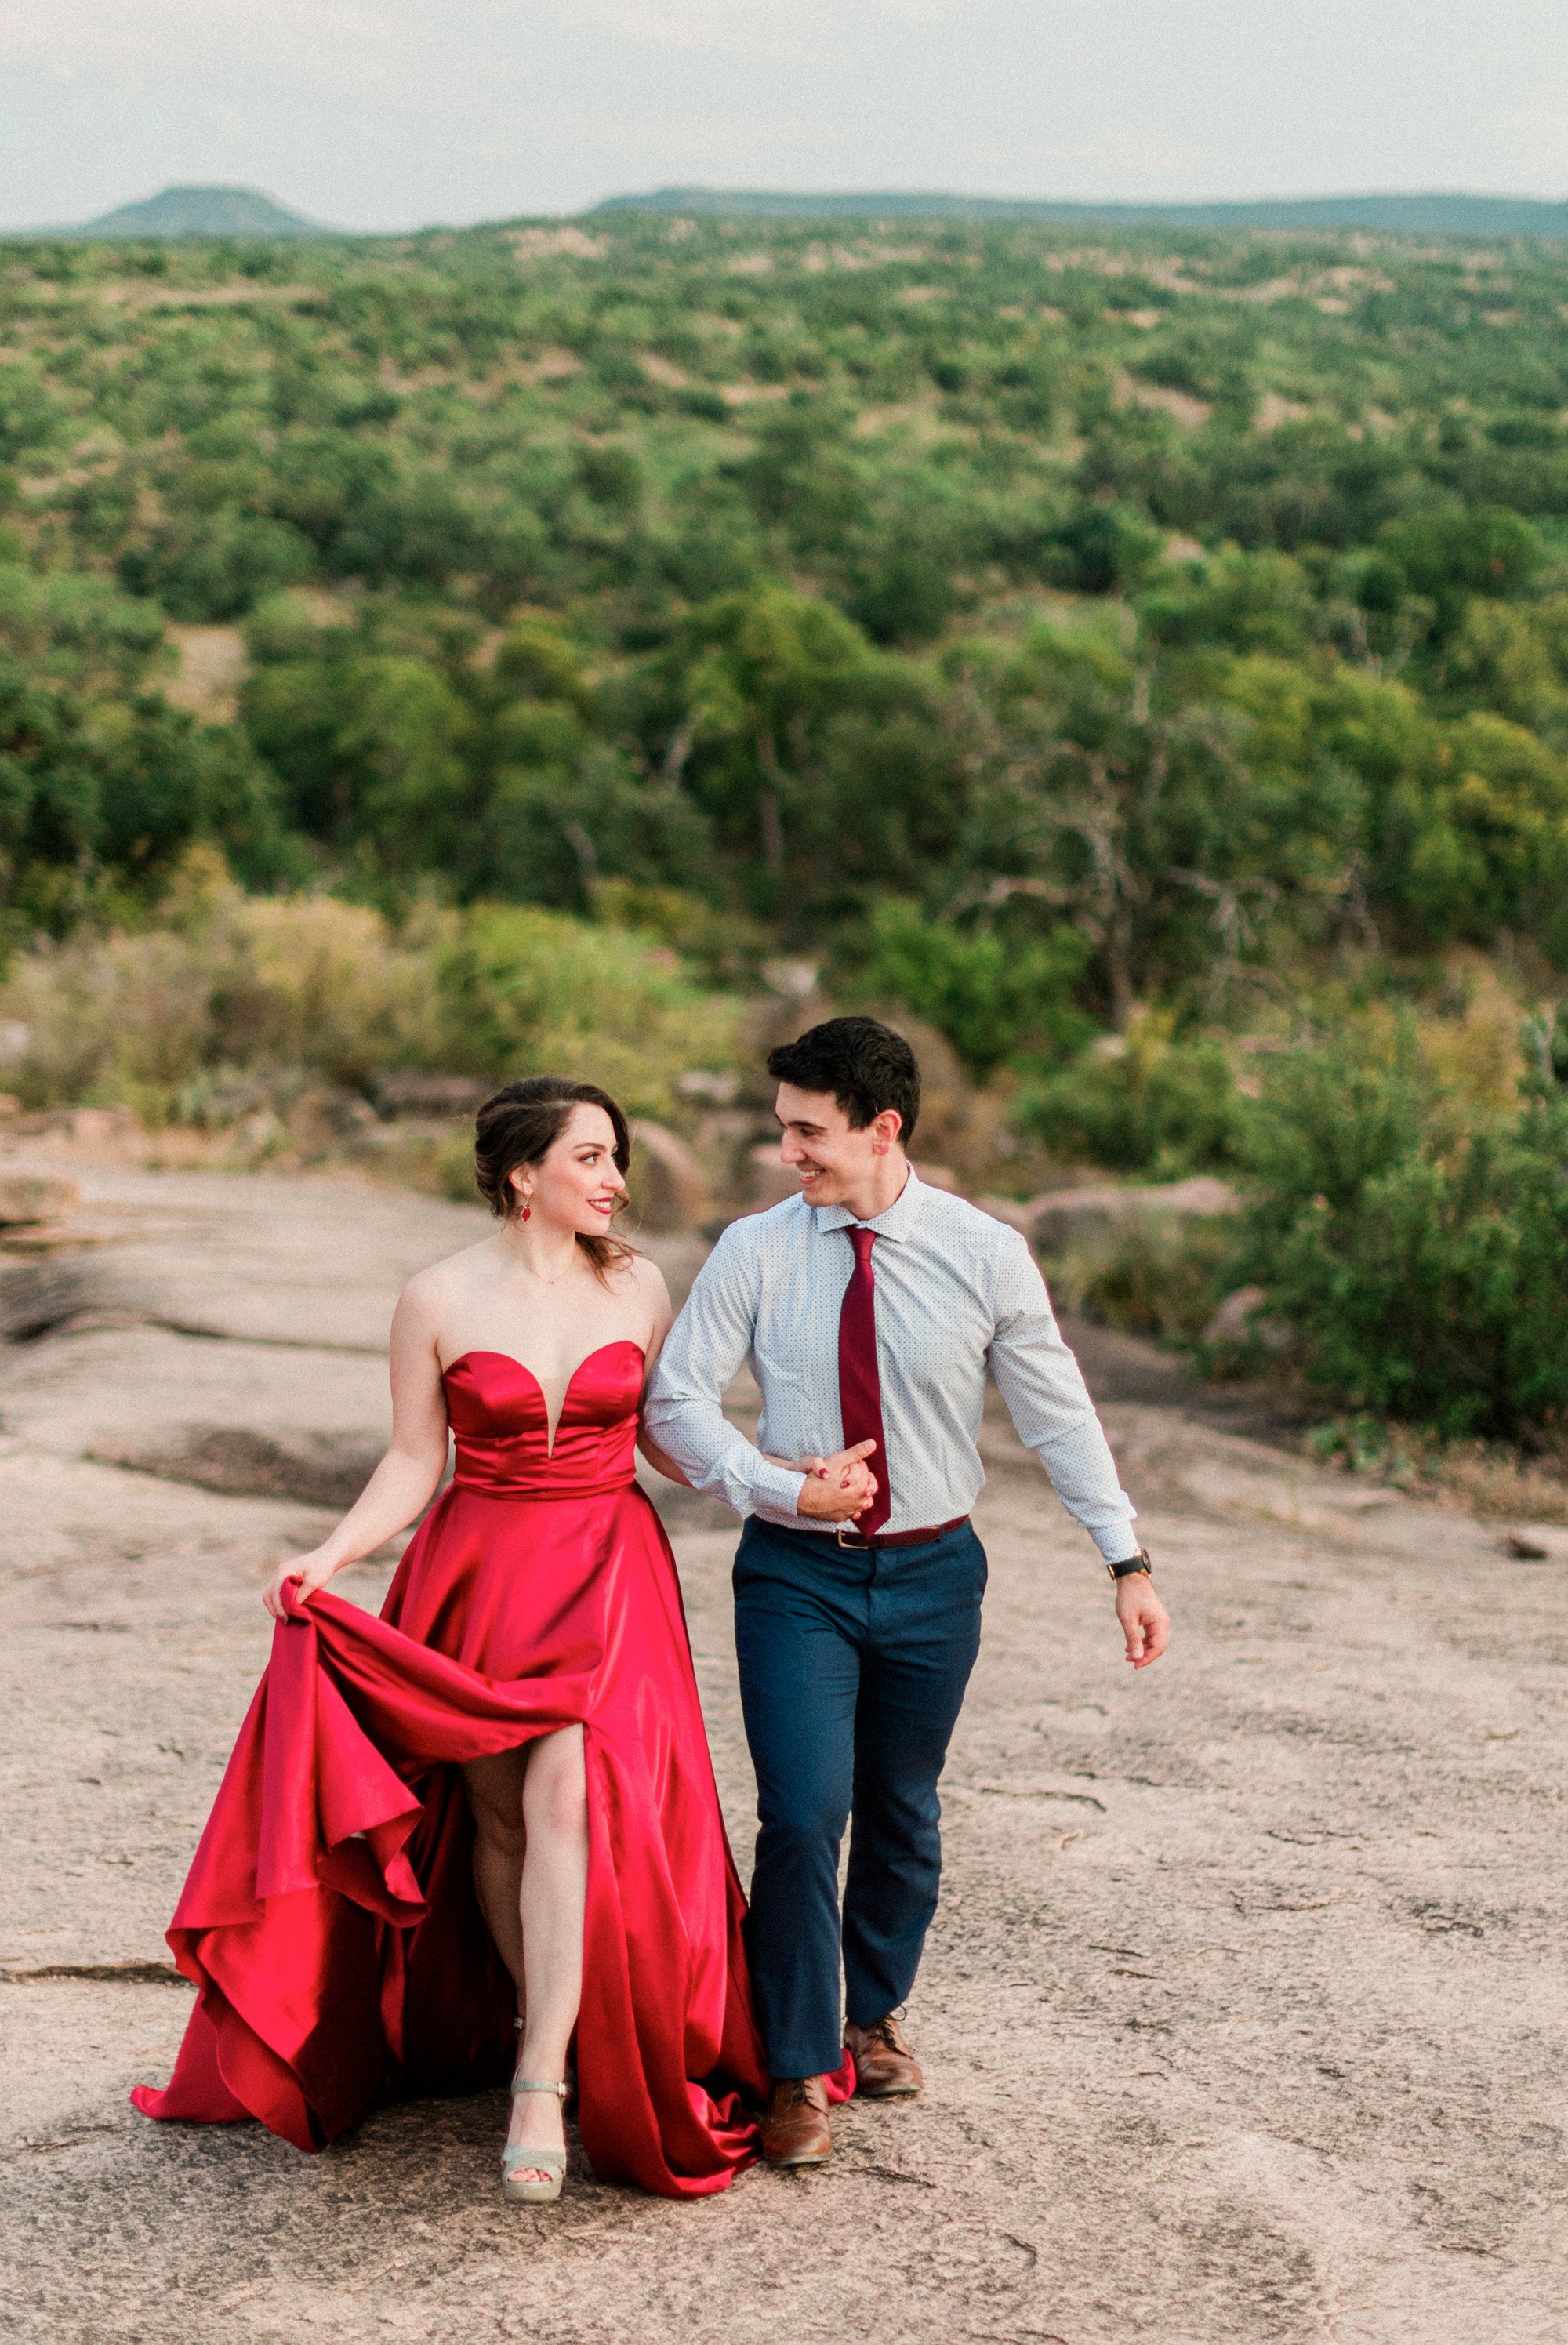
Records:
x=521, y=1123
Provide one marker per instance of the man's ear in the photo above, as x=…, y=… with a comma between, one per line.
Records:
x=886, y=1128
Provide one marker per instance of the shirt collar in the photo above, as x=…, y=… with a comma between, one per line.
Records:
x=895, y=1222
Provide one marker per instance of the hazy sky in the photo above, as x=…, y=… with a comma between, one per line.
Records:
x=388, y=113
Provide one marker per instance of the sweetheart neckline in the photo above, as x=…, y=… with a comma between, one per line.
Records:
x=480, y=1352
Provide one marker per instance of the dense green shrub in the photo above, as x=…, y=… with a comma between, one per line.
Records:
x=215, y=567
x=1160, y=1105
x=1160, y=1275
x=1451, y=551
x=1418, y=1249
x=228, y=989
x=995, y=998
x=527, y=991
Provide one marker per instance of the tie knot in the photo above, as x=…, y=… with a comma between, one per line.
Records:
x=862, y=1240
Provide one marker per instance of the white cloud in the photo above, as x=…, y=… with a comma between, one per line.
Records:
x=77, y=36
x=752, y=28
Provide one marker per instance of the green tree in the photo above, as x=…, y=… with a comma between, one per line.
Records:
x=1451, y=551
x=762, y=674
x=994, y=997
x=367, y=749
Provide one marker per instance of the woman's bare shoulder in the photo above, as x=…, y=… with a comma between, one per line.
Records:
x=646, y=1281
x=444, y=1282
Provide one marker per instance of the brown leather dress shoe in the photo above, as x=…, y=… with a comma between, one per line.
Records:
x=884, y=2067
x=795, y=2130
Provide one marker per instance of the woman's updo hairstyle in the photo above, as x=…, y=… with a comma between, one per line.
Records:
x=519, y=1123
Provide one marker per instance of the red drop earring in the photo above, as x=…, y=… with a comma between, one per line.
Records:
x=527, y=1209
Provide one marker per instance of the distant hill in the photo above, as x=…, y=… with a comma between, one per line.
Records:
x=1428, y=215
x=200, y=211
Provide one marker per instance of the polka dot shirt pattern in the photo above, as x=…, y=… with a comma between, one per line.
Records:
x=957, y=1295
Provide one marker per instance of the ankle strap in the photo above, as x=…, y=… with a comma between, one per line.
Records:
x=540, y=2084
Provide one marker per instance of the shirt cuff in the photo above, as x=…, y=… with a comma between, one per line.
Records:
x=1118, y=1542
x=777, y=1489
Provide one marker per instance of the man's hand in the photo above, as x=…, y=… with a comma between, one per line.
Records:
x=1145, y=1622
x=837, y=1489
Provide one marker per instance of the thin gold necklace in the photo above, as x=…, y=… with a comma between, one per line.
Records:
x=537, y=1276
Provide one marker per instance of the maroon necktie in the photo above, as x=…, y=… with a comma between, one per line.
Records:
x=859, y=1383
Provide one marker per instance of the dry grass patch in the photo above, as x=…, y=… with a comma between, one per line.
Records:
x=1491, y=1480
x=212, y=666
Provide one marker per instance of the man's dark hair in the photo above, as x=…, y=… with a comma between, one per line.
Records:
x=864, y=1063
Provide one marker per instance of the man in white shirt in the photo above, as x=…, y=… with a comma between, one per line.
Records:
x=871, y=1307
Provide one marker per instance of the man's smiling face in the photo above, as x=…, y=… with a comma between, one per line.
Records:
x=833, y=1160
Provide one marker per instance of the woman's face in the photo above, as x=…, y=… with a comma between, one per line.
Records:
x=577, y=1181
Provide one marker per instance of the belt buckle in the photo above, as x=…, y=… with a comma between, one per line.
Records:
x=855, y=1540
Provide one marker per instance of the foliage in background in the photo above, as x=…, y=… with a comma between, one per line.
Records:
x=525, y=990
x=1159, y=1275
x=995, y=998
x=1203, y=594
x=1108, y=645
x=1417, y=1244
x=102, y=784
x=232, y=1000
x=1160, y=1105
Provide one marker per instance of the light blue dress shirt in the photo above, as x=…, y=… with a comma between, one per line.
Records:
x=956, y=1293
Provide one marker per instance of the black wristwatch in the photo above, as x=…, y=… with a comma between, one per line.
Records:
x=1126, y=1568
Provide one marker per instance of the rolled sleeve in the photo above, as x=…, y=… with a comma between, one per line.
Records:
x=1048, y=1401
x=704, y=1352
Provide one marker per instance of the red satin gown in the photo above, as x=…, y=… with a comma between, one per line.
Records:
x=329, y=1919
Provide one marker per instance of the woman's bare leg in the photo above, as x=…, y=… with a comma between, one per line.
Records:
x=554, y=1903
x=549, y=1843
x=494, y=1789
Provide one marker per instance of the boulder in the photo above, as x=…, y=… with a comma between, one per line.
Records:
x=669, y=1187
x=328, y=1118
x=712, y=1086
x=1065, y=1218
x=87, y=1127
x=27, y=1197
x=103, y=1127
x=1537, y=1543
x=1239, y=1323
x=410, y=1090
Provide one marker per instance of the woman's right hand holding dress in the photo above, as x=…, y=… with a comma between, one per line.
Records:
x=308, y=1573
x=407, y=1477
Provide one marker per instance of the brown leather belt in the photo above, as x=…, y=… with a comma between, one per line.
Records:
x=849, y=1537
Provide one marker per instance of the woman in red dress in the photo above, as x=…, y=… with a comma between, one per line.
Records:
x=493, y=1808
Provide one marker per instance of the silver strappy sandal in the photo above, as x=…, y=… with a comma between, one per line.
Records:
x=516, y=2159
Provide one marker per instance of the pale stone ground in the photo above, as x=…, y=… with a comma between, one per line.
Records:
x=1243, y=2016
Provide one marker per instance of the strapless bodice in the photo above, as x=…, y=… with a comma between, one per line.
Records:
x=497, y=1412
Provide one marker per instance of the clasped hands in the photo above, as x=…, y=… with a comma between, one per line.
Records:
x=837, y=1489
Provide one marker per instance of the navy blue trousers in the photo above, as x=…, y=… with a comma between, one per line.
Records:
x=853, y=1670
